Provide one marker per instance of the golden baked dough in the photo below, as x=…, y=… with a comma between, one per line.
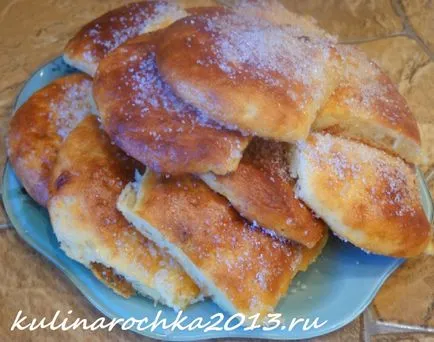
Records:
x=87, y=179
x=243, y=269
x=309, y=255
x=102, y=35
x=246, y=73
x=262, y=191
x=114, y=281
x=145, y=119
x=367, y=106
x=39, y=126
x=365, y=195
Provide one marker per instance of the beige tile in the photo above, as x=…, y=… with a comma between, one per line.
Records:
x=421, y=16
x=31, y=33
x=404, y=338
x=399, y=57
x=407, y=297
x=349, y=19
x=350, y=332
x=419, y=93
x=31, y=284
x=427, y=135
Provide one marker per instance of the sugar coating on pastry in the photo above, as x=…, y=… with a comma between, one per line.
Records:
x=365, y=195
x=89, y=174
x=39, y=126
x=367, y=106
x=262, y=191
x=248, y=73
x=102, y=35
x=149, y=122
x=240, y=267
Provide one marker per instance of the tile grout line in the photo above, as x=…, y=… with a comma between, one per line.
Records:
x=408, y=32
x=373, y=39
x=408, y=28
x=373, y=326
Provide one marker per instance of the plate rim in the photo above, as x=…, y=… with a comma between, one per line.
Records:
x=192, y=335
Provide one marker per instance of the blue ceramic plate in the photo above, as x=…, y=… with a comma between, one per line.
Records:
x=336, y=289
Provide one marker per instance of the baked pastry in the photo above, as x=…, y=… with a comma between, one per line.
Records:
x=149, y=122
x=262, y=190
x=365, y=195
x=102, y=35
x=39, y=126
x=368, y=107
x=88, y=177
x=243, y=269
x=310, y=255
x=247, y=73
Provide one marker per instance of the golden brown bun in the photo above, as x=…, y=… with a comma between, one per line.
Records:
x=367, y=106
x=87, y=179
x=365, y=195
x=102, y=35
x=39, y=126
x=145, y=119
x=262, y=191
x=246, y=73
x=243, y=269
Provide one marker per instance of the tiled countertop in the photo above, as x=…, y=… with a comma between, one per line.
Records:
x=398, y=34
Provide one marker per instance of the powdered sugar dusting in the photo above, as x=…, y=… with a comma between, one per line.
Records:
x=116, y=27
x=387, y=182
x=374, y=90
x=150, y=89
x=75, y=104
x=140, y=109
x=248, y=46
x=149, y=93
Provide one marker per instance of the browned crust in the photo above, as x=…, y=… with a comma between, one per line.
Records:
x=94, y=41
x=262, y=191
x=391, y=110
x=151, y=124
x=33, y=139
x=374, y=195
x=92, y=169
x=88, y=177
x=187, y=61
x=109, y=277
x=367, y=97
x=124, y=22
x=252, y=269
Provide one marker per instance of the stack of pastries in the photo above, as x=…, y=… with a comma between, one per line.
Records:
x=207, y=151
